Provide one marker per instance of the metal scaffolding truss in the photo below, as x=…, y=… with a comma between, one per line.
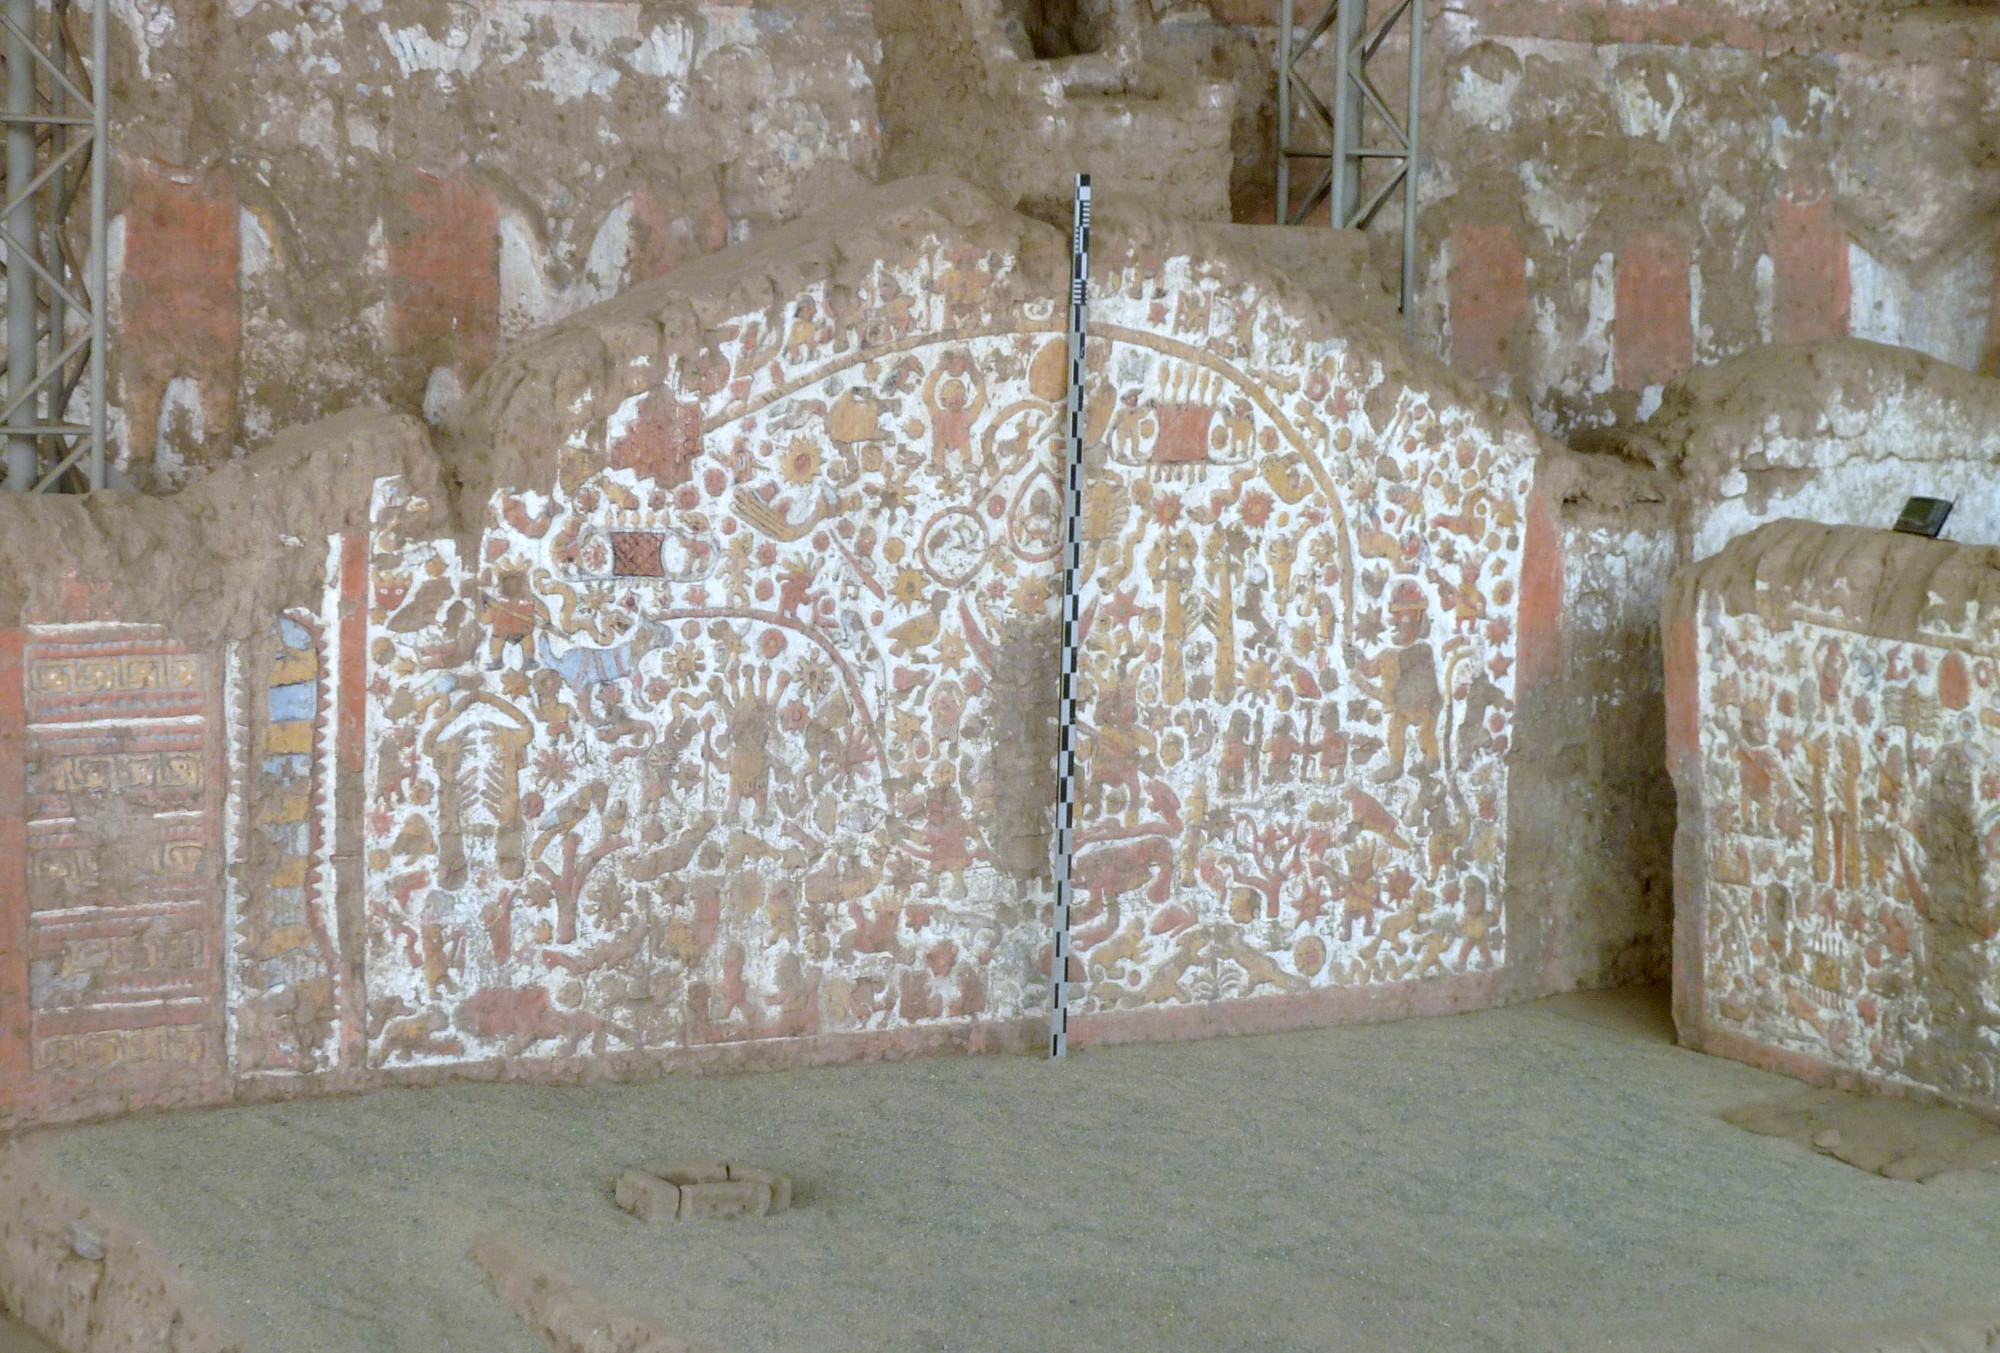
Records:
x=56, y=117
x=1355, y=125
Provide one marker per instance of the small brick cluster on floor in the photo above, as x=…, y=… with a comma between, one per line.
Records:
x=702, y=1188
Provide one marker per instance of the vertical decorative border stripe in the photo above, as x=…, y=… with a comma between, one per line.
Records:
x=322, y=882
x=351, y=677
x=214, y=669
x=235, y=735
x=346, y=790
x=15, y=1061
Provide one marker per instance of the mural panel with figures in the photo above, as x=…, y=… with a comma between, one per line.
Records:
x=1851, y=792
x=744, y=728
x=694, y=703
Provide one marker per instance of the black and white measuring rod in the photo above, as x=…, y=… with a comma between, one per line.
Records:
x=1072, y=560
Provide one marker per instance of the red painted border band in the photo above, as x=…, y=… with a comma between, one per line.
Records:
x=352, y=722
x=15, y=1062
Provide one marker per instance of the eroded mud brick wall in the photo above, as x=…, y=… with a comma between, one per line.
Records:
x=349, y=205
x=709, y=704
x=1619, y=190
x=1155, y=101
x=335, y=204
x=1840, y=431
x=1625, y=191
x=1833, y=704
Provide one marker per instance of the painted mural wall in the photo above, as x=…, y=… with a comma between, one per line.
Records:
x=1840, y=783
x=742, y=736
x=733, y=724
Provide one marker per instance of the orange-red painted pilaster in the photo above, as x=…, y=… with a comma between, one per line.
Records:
x=1489, y=294
x=1540, y=627
x=1653, y=335
x=182, y=310
x=1811, y=293
x=444, y=274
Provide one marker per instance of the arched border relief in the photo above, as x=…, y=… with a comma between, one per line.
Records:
x=1272, y=469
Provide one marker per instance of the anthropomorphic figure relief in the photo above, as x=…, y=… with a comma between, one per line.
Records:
x=1847, y=784
x=1404, y=679
x=511, y=618
x=748, y=702
x=955, y=394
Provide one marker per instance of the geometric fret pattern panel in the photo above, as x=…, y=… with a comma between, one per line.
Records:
x=120, y=853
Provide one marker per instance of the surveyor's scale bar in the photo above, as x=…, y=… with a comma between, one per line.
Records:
x=1079, y=289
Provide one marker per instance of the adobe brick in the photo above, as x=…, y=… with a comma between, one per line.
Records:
x=780, y=1185
x=742, y=1198
x=647, y=1196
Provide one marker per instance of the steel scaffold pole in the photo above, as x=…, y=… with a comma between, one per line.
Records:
x=57, y=128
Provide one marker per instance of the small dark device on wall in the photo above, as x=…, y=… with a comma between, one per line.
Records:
x=1924, y=517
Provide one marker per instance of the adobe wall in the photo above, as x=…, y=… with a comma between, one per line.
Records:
x=1629, y=191
x=123, y=630
x=367, y=206
x=1621, y=190
x=692, y=704
x=1831, y=697
x=1839, y=431
x=344, y=205
x=1142, y=97
x=1615, y=193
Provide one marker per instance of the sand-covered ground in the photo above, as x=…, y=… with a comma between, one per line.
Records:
x=1551, y=1177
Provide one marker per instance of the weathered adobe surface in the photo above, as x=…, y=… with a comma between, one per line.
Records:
x=1841, y=431
x=88, y=1281
x=1830, y=731
x=389, y=918
x=474, y=175
x=1019, y=97
x=1600, y=851
x=333, y=205
x=214, y=561
x=1613, y=193
x=1618, y=192
x=1838, y=430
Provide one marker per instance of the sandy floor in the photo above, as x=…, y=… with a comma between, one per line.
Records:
x=15, y=1339
x=1545, y=1178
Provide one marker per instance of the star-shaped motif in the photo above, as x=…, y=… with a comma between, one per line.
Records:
x=1123, y=608
x=951, y=650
